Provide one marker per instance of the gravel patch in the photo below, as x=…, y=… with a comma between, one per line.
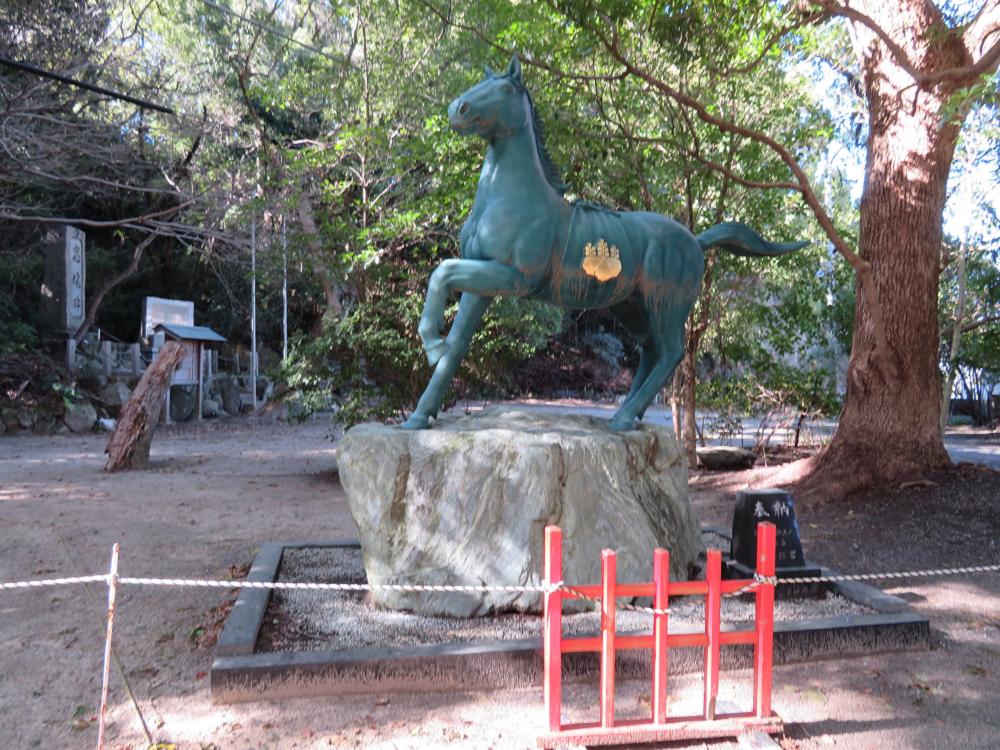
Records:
x=309, y=620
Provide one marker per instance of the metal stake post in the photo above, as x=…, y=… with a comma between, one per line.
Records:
x=253, y=310
x=284, y=289
x=106, y=675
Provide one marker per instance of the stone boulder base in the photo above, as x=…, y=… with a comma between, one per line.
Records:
x=466, y=503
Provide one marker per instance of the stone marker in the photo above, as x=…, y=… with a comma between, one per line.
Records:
x=777, y=507
x=467, y=502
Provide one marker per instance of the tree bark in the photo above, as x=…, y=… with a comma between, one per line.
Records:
x=690, y=415
x=128, y=447
x=890, y=426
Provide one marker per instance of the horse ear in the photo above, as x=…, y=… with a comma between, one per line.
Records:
x=514, y=69
x=488, y=72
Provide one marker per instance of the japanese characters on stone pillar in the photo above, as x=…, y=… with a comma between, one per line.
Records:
x=75, y=279
x=64, y=286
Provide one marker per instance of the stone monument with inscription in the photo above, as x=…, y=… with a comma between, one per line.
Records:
x=65, y=282
x=777, y=507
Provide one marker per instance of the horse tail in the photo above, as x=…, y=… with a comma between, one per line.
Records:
x=740, y=239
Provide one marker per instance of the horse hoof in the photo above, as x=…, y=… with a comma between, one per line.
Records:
x=622, y=424
x=416, y=422
x=436, y=351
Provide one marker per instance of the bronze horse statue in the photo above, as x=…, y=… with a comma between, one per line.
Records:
x=524, y=239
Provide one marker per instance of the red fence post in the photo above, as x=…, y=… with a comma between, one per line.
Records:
x=713, y=616
x=661, y=580
x=764, y=616
x=608, y=601
x=553, y=628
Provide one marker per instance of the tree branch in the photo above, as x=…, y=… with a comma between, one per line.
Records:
x=728, y=173
x=861, y=266
x=91, y=223
x=972, y=325
x=114, y=281
x=772, y=40
x=527, y=60
x=984, y=26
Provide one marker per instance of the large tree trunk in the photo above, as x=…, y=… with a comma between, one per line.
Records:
x=890, y=427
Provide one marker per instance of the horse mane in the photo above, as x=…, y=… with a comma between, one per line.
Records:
x=549, y=168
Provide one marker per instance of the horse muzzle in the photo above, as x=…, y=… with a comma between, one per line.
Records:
x=460, y=118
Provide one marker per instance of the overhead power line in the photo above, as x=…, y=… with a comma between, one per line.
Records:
x=28, y=68
x=271, y=30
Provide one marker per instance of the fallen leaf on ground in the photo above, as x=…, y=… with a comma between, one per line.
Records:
x=814, y=694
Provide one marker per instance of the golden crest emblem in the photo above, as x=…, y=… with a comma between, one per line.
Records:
x=602, y=261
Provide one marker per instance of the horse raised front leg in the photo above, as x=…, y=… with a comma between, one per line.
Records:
x=470, y=312
x=486, y=278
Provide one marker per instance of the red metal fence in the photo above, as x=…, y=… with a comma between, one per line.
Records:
x=659, y=726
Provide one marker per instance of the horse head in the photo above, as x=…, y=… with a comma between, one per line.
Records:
x=495, y=107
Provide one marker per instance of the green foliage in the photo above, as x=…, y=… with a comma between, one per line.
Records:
x=66, y=393
x=16, y=336
x=764, y=386
x=360, y=133
x=370, y=364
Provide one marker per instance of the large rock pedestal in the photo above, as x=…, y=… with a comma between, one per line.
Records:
x=466, y=503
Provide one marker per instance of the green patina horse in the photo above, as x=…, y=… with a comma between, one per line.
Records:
x=525, y=240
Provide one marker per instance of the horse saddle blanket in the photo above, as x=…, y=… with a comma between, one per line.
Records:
x=597, y=266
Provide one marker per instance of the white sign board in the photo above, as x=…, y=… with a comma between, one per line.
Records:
x=75, y=278
x=157, y=310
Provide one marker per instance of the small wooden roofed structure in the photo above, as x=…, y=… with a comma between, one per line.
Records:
x=191, y=372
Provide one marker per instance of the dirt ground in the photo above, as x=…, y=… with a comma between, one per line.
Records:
x=216, y=492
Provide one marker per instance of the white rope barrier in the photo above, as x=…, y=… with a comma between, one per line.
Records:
x=112, y=580
x=758, y=581
x=416, y=587
x=53, y=582
x=304, y=586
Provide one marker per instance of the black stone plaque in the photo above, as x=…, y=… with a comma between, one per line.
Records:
x=776, y=506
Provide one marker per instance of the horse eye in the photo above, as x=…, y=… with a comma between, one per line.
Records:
x=508, y=89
